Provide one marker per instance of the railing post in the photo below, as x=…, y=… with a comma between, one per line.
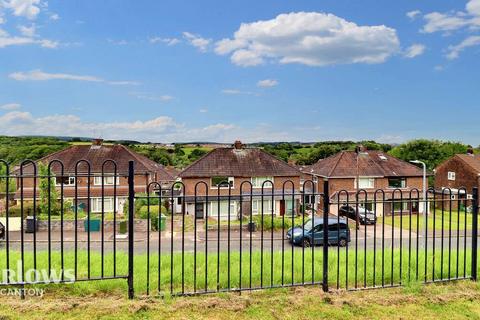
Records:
x=474, y=233
x=326, y=210
x=131, y=199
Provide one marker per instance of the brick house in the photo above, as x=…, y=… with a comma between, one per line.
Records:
x=460, y=171
x=376, y=170
x=225, y=170
x=115, y=189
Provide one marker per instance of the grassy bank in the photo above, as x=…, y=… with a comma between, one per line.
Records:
x=452, y=301
x=347, y=269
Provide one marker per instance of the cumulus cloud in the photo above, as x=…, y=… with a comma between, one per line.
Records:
x=454, y=20
x=197, y=41
x=267, y=83
x=414, y=50
x=162, y=128
x=413, y=14
x=39, y=75
x=23, y=8
x=10, y=106
x=454, y=51
x=309, y=38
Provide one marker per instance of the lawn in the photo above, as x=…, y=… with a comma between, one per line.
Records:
x=453, y=301
x=452, y=220
x=358, y=271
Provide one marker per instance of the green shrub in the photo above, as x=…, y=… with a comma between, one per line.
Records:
x=277, y=222
x=142, y=213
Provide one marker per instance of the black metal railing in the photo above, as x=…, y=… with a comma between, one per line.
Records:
x=183, y=238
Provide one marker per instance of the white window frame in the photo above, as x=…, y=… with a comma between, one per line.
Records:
x=97, y=180
x=213, y=209
x=230, y=180
x=257, y=206
x=71, y=182
x=371, y=183
x=451, y=175
x=258, y=181
x=96, y=204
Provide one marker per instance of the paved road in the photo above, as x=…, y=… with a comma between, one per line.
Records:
x=214, y=241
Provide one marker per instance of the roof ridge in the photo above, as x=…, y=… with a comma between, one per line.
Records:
x=463, y=160
x=196, y=161
x=277, y=158
x=336, y=164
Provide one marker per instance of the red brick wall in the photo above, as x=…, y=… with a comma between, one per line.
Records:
x=465, y=176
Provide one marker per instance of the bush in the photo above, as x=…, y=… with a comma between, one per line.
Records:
x=277, y=222
x=15, y=211
x=142, y=213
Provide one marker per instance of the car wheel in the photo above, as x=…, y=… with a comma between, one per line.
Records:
x=342, y=243
x=306, y=243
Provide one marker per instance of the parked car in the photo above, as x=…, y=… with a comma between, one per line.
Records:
x=2, y=231
x=365, y=215
x=312, y=233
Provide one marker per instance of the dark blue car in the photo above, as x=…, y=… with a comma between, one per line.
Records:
x=312, y=232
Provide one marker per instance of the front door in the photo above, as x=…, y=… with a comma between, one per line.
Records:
x=282, y=207
x=199, y=210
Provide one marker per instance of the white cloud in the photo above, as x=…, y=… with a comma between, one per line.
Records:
x=413, y=14
x=23, y=8
x=153, y=97
x=454, y=51
x=27, y=31
x=454, y=20
x=162, y=128
x=414, y=50
x=54, y=16
x=267, y=83
x=11, y=106
x=167, y=41
x=7, y=40
x=203, y=110
x=237, y=92
x=39, y=75
x=309, y=38
x=197, y=41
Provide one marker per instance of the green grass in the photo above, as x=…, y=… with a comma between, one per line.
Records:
x=302, y=272
x=453, y=301
x=451, y=220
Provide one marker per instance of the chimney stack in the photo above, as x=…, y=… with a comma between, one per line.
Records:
x=97, y=142
x=470, y=150
x=238, y=144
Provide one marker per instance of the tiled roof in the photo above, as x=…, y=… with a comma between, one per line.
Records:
x=243, y=162
x=472, y=160
x=370, y=163
x=96, y=156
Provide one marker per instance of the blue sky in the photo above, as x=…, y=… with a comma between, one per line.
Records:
x=291, y=70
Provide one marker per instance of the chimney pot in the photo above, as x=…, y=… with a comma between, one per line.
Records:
x=238, y=144
x=97, y=142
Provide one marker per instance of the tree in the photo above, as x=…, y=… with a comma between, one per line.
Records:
x=432, y=152
x=47, y=199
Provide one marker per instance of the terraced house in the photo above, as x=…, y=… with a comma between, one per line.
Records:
x=221, y=176
x=374, y=170
x=114, y=189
